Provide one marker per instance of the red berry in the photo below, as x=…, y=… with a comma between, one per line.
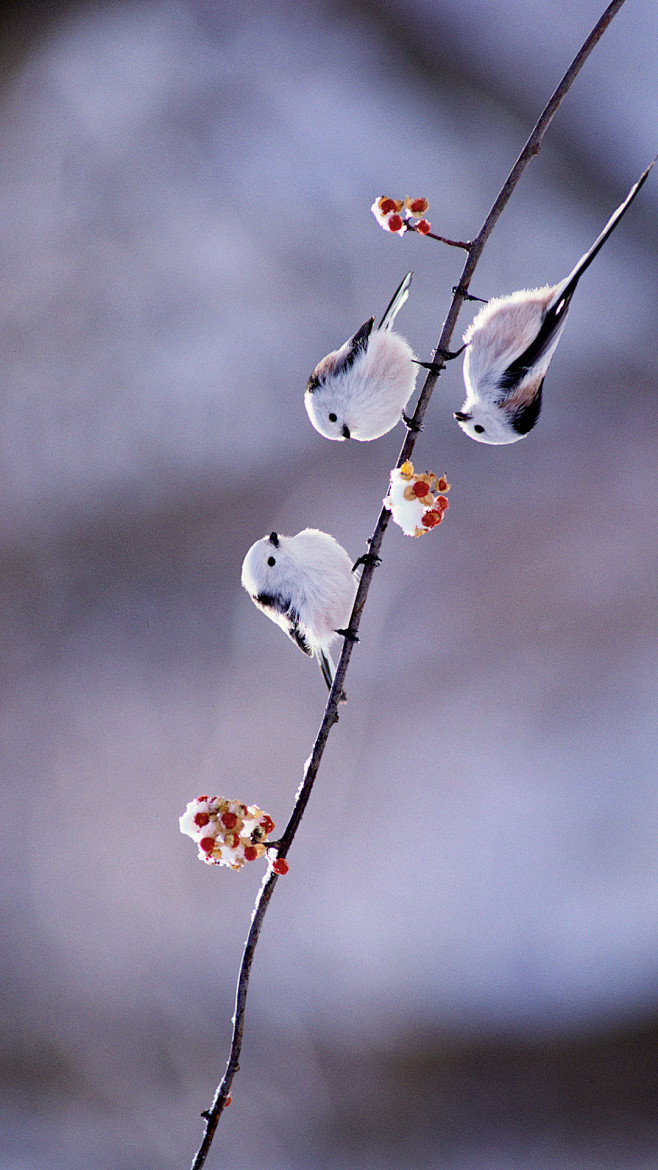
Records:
x=395, y=223
x=280, y=866
x=431, y=519
x=443, y=503
x=423, y=226
x=420, y=488
x=387, y=205
x=201, y=819
x=266, y=824
x=228, y=1101
x=207, y=844
x=229, y=820
x=232, y=840
x=202, y=797
x=250, y=853
x=442, y=484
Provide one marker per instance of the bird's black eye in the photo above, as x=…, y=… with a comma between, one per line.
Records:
x=333, y=417
x=478, y=429
x=271, y=560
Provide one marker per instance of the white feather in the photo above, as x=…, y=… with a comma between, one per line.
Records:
x=369, y=396
x=503, y=393
x=502, y=330
x=311, y=582
x=363, y=398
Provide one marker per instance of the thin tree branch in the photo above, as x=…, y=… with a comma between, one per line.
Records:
x=330, y=717
x=465, y=244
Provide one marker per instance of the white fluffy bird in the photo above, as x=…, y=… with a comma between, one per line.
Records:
x=305, y=584
x=360, y=390
x=510, y=345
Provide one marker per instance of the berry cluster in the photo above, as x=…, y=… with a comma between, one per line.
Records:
x=228, y=832
x=416, y=502
x=401, y=215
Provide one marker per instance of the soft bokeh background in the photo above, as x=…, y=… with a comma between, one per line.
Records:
x=461, y=971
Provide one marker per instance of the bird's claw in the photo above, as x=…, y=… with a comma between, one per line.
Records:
x=366, y=559
x=348, y=635
x=410, y=423
x=446, y=355
x=467, y=296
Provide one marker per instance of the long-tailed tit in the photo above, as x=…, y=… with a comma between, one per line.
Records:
x=509, y=347
x=360, y=390
x=305, y=584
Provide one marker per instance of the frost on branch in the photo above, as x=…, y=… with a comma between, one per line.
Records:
x=226, y=831
x=416, y=502
x=398, y=215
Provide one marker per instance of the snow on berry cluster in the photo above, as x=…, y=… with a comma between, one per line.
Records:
x=401, y=215
x=226, y=831
x=416, y=502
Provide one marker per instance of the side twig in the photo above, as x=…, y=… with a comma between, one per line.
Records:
x=475, y=248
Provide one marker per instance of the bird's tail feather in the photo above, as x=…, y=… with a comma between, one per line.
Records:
x=328, y=672
x=327, y=667
x=399, y=297
x=566, y=288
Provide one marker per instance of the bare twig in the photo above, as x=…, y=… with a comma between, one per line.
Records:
x=330, y=717
x=465, y=244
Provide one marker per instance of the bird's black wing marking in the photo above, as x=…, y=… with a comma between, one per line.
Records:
x=312, y=384
x=525, y=418
x=357, y=344
x=517, y=370
x=298, y=638
x=273, y=601
x=285, y=607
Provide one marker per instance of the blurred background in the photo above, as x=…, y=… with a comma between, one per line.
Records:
x=461, y=970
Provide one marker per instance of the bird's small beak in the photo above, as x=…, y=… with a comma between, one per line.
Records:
x=274, y=539
x=346, y=431
x=461, y=416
